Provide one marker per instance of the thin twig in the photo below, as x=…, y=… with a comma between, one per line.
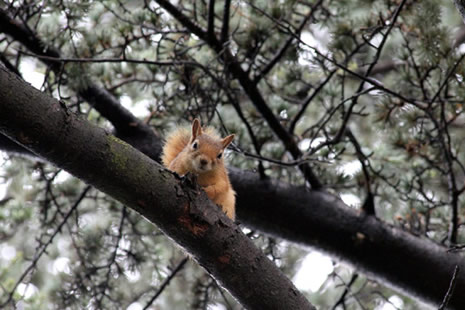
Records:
x=451, y=72
x=450, y=290
x=291, y=163
x=105, y=60
x=369, y=204
x=225, y=27
x=250, y=89
x=286, y=44
x=45, y=246
x=211, y=19
x=166, y=282
x=341, y=299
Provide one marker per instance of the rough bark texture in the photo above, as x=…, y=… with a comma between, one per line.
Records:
x=417, y=266
x=177, y=207
x=313, y=218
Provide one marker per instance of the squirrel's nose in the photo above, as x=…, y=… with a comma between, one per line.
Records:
x=203, y=162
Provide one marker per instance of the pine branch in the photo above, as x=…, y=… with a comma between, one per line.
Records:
x=125, y=123
x=249, y=88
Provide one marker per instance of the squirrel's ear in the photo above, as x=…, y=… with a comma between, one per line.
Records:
x=226, y=141
x=196, y=129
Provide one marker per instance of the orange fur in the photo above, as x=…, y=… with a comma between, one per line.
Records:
x=197, y=151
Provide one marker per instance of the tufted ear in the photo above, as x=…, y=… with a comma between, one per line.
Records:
x=226, y=141
x=196, y=129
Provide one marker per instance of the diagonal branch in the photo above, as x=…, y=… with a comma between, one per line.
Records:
x=341, y=300
x=317, y=219
x=9, y=65
x=308, y=100
x=250, y=89
x=450, y=290
x=460, y=6
x=8, y=145
x=369, y=204
x=348, y=114
x=185, y=20
x=414, y=265
x=176, y=205
x=166, y=282
x=43, y=247
x=312, y=230
x=277, y=57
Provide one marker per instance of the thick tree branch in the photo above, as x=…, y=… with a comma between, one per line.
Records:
x=178, y=207
x=414, y=265
x=369, y=260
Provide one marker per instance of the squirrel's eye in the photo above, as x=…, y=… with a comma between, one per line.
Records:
x=195, y=145
x=219, y=155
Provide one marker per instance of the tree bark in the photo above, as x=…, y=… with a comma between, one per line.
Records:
x=415, y=265
x=312, y=218
x=317, y=219
x=177, y=206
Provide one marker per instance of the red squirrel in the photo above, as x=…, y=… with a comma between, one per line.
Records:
x=201, y=151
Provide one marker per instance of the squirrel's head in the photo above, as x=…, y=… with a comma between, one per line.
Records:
x=207, y=150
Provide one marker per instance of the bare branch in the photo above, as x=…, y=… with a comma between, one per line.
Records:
x=341, y=299
x=166, y=282
x=450, y=290
x=250, y=89
x=111, y=60
x=43, y=247
x=225, y=27
x=269, y=66
x=211, y=19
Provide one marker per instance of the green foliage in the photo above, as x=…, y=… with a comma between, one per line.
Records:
x=105, y=256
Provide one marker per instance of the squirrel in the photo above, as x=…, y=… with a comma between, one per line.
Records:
x=201, y=152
